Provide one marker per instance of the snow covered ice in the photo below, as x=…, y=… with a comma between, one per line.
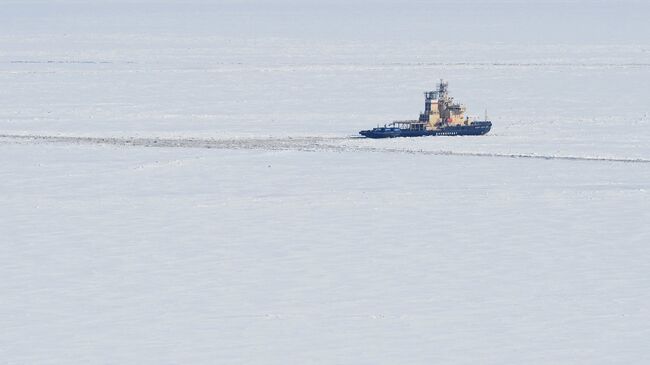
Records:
x=180, y=183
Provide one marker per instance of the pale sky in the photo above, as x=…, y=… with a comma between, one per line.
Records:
x=510, y=21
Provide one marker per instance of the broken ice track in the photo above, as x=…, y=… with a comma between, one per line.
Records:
x=311, y=144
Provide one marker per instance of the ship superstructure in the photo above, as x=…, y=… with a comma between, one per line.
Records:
x=441, y=116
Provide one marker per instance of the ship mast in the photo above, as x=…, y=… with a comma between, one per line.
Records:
x=443, y=101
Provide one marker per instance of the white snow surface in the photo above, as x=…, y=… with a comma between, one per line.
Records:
x=182, y=183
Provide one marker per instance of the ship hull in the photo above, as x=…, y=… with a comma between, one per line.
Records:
x=474, y=129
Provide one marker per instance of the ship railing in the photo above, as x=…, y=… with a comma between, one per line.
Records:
x=404, y=122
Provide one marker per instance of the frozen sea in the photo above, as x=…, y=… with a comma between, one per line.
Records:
x=181, y=182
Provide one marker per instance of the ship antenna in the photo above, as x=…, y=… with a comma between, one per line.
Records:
x=486, y=115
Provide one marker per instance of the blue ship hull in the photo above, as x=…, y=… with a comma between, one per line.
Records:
x=474, y=129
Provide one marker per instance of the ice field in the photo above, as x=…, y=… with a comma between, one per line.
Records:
x=182, y=183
